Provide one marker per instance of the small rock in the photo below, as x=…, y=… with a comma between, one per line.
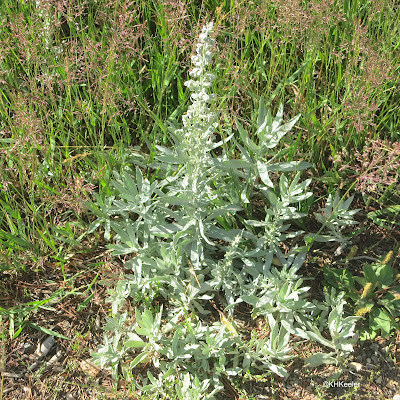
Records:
x=368, y=360
x=374, y=359
x=378, y=380
x=27, y=390
x=374, y=347
x=391, y=384
x=12, y=375
x=46, y=346
x=28, y=348
x=356, y=366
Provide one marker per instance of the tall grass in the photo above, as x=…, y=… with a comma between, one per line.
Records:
x=84, y=81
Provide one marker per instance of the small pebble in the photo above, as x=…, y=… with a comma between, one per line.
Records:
x=374, y=347
x=368, y=360
x=378, y=380
x=12, y=375
x=28, y=348
x=356, y=366
x=391, y=384
x=27, y=390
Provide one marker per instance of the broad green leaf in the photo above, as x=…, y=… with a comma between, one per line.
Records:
x=319, y=359
x=379, y=319
x=245, y=138
x=263, y=172
x=290, y=166
x=340, y=278
x=134, y=341
x=141, y=358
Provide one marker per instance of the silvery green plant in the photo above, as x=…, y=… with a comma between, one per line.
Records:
x=335, y=217
x=341, y=328
x=192, y=243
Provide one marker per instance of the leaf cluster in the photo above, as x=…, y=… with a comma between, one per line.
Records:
x=375, y=295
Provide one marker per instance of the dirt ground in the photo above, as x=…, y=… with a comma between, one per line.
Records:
x=78, y=314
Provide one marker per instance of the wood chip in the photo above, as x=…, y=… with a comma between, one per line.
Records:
x=89, y=368
x=12, y=375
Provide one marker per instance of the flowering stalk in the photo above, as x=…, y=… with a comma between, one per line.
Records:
x=199, y=122
x=195, y=141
